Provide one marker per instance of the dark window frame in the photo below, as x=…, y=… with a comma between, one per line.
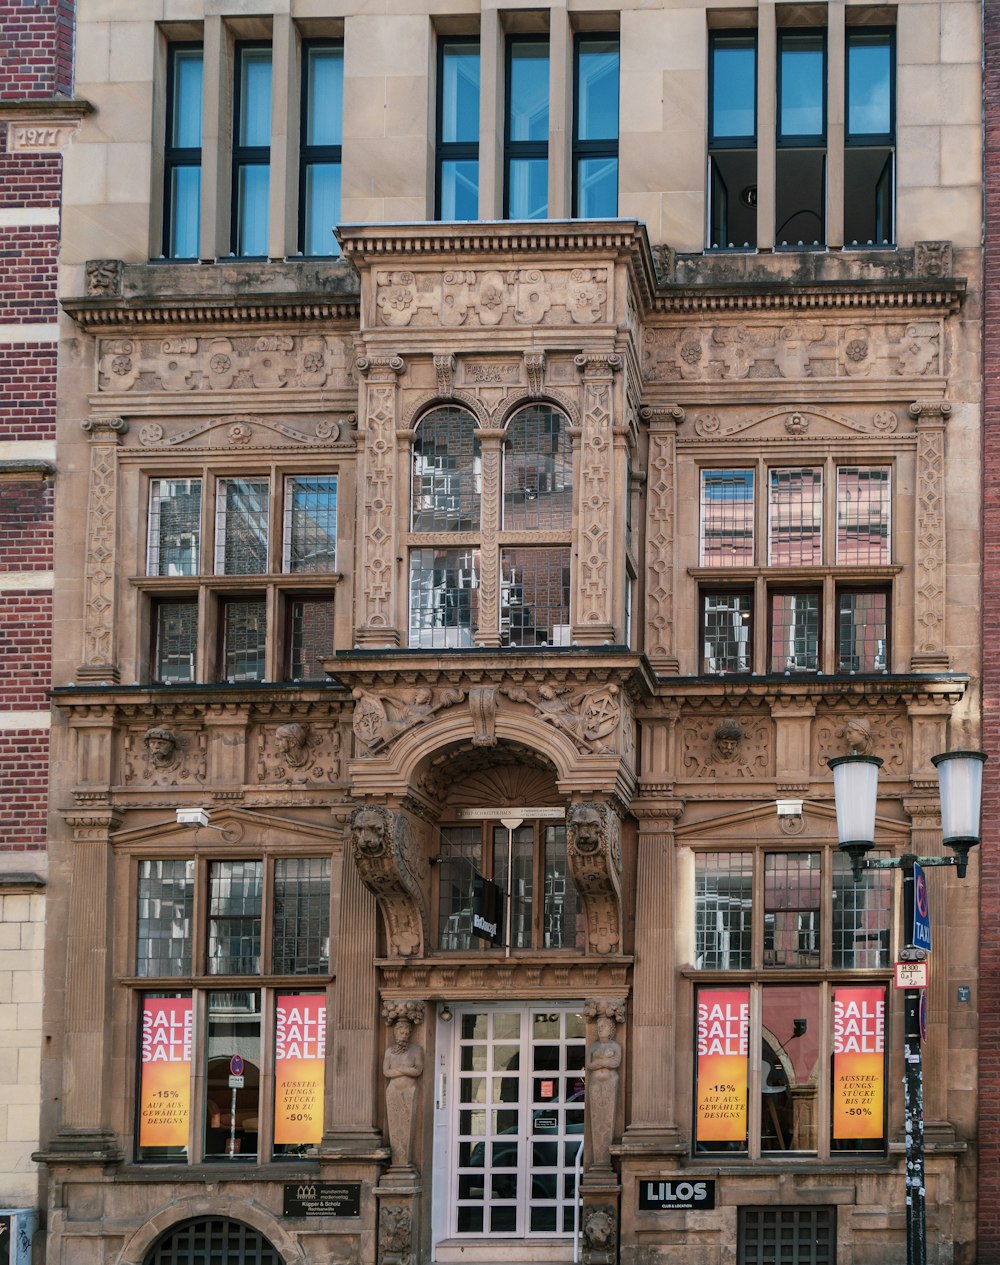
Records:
x=243, y=155
x=791, y=590
x=584, y=149
x=176, y=156
x=727, y=590
x=726, y=141
x=873, y=139
x=513, y=151
x=807, y=140
x=309, y=154
x=449, y=151
x=860, y=586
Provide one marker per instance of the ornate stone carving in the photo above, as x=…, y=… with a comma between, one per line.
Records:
x=880, y=733
x=402, y=1067
x=727, y=749
x=104, y=277
x=248, y=430
x=483, y=706
x=534, y=367
x=444, y=372
x=932, y=259
x=604, y=1059
x=378, y=539
x=102, y=545
x=930, y=647
x=378, y=721
x=490, y=297
x=595, y=497
x=663, y=421
x=380, y=841
x=236, y=362
x=588, y=716
x=593, y=849
x=778, y=423
x=395, y=1235
x=856, y=734
x=600, y=1235
x=299, y=754
x=163, y=756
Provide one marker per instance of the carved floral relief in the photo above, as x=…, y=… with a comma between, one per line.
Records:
x=727, y=749
x=299, y=754
x=491, y=297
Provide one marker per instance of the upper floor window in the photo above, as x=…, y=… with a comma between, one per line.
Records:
x=526, y=519
x=256, y=609
x=869, y=152
x=732, y=139
x=456, y=184
x=595, y=127
x=182, y=152
x=251, y=149
x=321, y=134
x=526, y=131
x=800, y=163
x=828, y=558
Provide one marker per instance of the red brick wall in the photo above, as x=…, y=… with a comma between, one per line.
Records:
x=989, y=984
x=36, y=48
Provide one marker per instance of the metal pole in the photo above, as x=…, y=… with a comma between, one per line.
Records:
x=913, y=1094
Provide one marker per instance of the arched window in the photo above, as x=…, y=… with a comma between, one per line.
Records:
x=520, y=500
x=212, y=1241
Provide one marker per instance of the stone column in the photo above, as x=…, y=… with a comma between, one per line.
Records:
x=491, y=449
x=930, y=653
x=98, y=665
x=599, y=569
x=661, y=508
x=378, y=502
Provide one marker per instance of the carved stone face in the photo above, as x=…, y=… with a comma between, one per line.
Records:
x=401, y=1030
x=605, y=1028
x=368, y=831
x=161, y=745
x=587, y=823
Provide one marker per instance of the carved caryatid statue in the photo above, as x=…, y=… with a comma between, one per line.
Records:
x=402, y=1067
x=604, y=1060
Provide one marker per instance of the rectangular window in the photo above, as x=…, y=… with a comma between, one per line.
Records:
x=723, y=910
x=244, y=639
x=727, y=518
x=795, y=631
x=870, y=137
x=321, y=133
x=310, y=637
x=595, y=127
x=456, y=186
x=176, y=642
x=182, y=152
x=232, y=1113
x=444, y=597
x=732, y=140
x=310, y=542
x=301, y=930
x=251, y=150
x=791, y=908
x=234, y=917
x=526, y=134
x=166, y=902
x=863, y=506
x=459, y=862
x=862, y=915
x=795, y=517
x=173, y=538
x=163, y=1099
x=241, y=526
x=534, y=597
x=800, y=163
x=862, y=630
x=726, y=623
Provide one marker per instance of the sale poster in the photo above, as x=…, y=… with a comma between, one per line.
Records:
x=165, y=1075
x=858, y=1063
x=299, y=1063
x=723, y=1046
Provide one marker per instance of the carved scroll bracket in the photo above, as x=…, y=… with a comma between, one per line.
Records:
x=930, y=652
x=593, y=847
x=388, y=864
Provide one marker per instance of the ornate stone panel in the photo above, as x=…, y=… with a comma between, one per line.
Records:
x=391, y=867
x=248, y=431
x=379, y=512
x=488, y=297
x=729, y=748
x=804, y=422
x=164, y=755
x=883, y=733
x=593, y=849
x=299, y=754
x=596, y=577
x=661, y=498
x=930, y=651
x=99, y=621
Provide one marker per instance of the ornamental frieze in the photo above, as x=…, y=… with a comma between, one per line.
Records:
x=486, y=298
x=807, y=422
x=800, y=351
x=165, y=755
x=299, y=754
x=249, y=431
x=186, y=363
x=728, y=749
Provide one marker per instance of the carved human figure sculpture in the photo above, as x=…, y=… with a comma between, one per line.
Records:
x=291, y=743
x=604, y=1060
x=402, y=1067
x=161, y=746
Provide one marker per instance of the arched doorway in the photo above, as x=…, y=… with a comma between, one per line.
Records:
x=212, y=1241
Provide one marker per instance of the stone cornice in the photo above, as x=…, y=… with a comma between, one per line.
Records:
x=113, y=702
x=29, y=468
x=193, y=311
x=24, y=109
x=718, y=692
x=765, y=296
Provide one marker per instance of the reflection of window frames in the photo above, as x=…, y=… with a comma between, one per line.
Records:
x=870, y=136
x=456, y=152
x=182, y=152
x=251, y=150
x=732, y=140
x=800, y=161
x=320, y=143
x=862, y=629
x=526, y=129
x=794, y=630
x=595, y=126
x=727, y=630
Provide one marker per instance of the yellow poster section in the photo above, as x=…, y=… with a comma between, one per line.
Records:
x=723, y=1043
x=165, y=1087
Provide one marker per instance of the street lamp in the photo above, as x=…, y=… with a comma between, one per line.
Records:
x=855, y=790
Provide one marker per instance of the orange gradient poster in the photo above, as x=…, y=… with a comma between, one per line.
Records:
x=165, y=1088
x=723, y=1045
x=858, y=1063
x=299, y=1061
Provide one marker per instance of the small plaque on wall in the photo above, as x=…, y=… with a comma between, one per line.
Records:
x=675, y=1196
x=322, y=1199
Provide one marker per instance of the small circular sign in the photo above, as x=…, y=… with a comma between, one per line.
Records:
x=923, y=1016
x=920, y=894
x=236, y=1065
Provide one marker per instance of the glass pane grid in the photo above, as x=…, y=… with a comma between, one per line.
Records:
x=215, y=1240
x=310, y=524
x=863, y=515
x=862, y=631
x=726, y=621
x=234, y=918
x=862, y=914
x=176, y=642
x=459, y=860
x=562, y=919
x=795, y=624
x=786, y=1236
x=241, y=526
x=311, y=638
x=447, y=473
x=166, y=902
x=534, y=597
x=796, y=517
x=444, y=597
x=791, y=908
x=723, y=910
x=174, y=529
x=538, y=472
x=245, y=640
x=301, y=916
x=726, y=518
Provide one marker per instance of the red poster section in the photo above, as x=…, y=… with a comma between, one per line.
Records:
x=858, y=1063
x=299, y=1062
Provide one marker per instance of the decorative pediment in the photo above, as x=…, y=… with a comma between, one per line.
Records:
x=761, y=824
x=231, y=825
x=807, y=423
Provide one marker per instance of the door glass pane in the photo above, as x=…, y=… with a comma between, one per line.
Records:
x=232, y=1114
x=789, y=1064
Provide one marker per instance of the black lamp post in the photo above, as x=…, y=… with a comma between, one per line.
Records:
x=855, y=790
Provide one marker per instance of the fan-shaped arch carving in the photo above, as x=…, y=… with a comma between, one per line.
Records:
x=497, y=777
x=555, y=399
x=426, y=404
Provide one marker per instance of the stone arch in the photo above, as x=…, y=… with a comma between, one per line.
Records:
x=138, y=1246
x=555, y=399
x=419, y=409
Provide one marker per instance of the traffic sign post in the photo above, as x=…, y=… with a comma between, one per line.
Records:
x=921, y=910
x=236, y=1068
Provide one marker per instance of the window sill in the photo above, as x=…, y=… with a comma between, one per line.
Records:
x=839, y=572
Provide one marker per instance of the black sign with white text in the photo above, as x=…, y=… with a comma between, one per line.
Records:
x=675, y=1196
x=322, y=1199
x=487, y=910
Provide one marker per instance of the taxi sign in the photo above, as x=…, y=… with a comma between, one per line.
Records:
x=911, y=974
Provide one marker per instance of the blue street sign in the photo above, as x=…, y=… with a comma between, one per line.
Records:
x=921, y=910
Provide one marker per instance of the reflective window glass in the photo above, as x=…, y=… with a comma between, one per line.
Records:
x=802, y=95
x=232, y=1112
x=869, y=83
x=244, y=639
x=165, y=903
x=597, y=89
x=301, y=916
x=447, y=472
x=734, y=86
x=795, y=625
x=795, y=517
x=241, y=526
x=444, y=597
x=723, y=884
x=727, y=519
x=234, y=917
x=176, y=642
x=174, y=527
x=310, y=523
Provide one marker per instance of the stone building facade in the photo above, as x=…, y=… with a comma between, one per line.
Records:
x=530, y=558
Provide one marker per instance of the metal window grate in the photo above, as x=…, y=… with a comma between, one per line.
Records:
x=447, y=472
x=534, y=597
x=727, y=518
x=538, y=472
x=863, y=515
x=863, y=631
x=245, y=640
x=791, y=908
x=311, y=639
x=444, y=597
x=786, y=1236
x=166, y=901
x=213, y=1241
x=310, y=524
x=723, y=884
x=301, y=916
x=234, y=918
x=241, y=526
x=173, y=544
x=861, y=916
x=176, y=642
x=795, y=525
x=795, y=632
